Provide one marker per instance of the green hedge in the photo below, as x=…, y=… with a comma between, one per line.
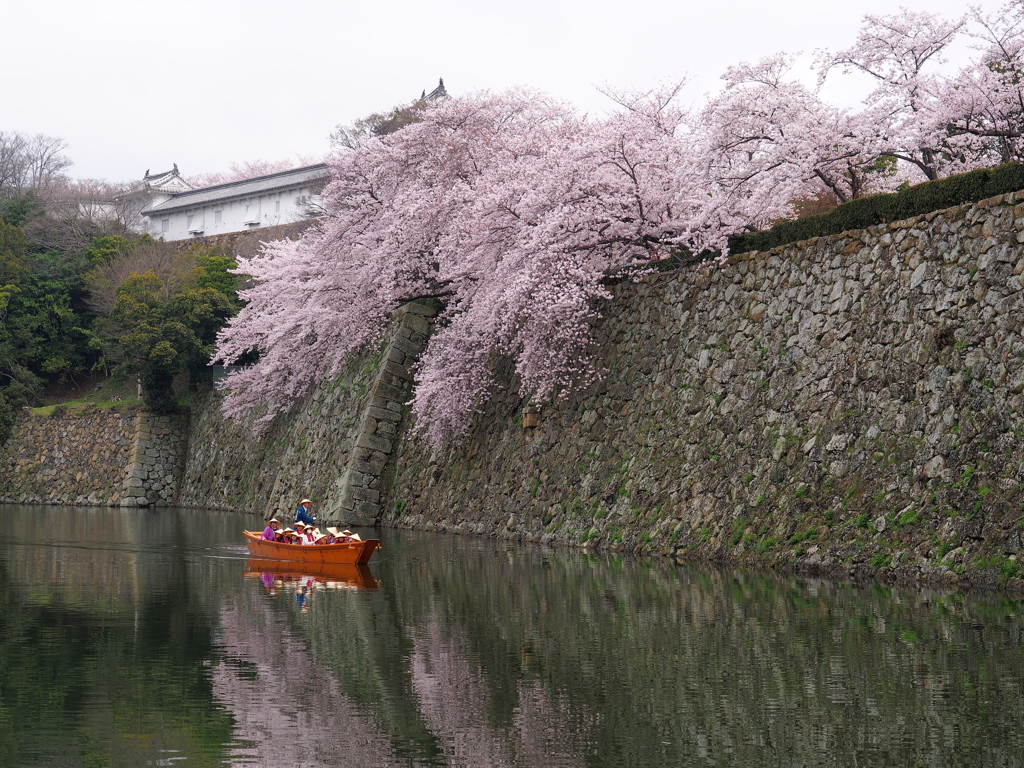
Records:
x=879, y=209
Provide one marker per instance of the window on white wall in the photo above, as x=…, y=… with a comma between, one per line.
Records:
x=218, y=218
x=165, y=224
x=252, y=213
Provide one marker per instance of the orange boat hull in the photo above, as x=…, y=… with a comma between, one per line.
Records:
x=351, y=553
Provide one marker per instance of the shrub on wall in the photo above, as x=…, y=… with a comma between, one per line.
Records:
x=880, y=209
x=7, y=418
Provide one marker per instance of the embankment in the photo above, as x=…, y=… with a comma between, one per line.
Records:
x=847, y=404
x=334, y=446
x=94, y=457
x=850, y=403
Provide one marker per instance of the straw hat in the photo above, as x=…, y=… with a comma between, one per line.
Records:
x=298, y=523
x=273, y=520
x=306, y=501
x=333, y=531
x=320, y=536
x=288, y=530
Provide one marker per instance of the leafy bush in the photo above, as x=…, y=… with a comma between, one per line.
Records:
x=880, y=209
x=7, y=418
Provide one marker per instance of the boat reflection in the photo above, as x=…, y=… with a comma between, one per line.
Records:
x=278, y=575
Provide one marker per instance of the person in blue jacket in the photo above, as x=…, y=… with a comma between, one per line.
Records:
x=302, y=513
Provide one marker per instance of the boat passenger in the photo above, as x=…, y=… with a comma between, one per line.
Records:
x=302, y=513
x=284, y=536
x=321, y=538
x=333, y=534
x=270, y=532
x=309, y=536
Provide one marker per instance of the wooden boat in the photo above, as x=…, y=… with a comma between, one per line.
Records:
x=350, y=552
x=331, y=575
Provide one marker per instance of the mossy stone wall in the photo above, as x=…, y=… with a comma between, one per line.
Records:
x=850, y=404
x=96, y=456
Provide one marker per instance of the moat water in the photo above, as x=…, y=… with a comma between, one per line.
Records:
x=135, y=638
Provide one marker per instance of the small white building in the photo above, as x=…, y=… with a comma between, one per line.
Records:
x=237, y=206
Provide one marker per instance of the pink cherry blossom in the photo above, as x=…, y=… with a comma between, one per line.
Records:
x=511, y=208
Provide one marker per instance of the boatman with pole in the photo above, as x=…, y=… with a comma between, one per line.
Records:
x=302, y=513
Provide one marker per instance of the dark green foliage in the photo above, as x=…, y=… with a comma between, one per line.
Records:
x=7, y=418
x=167, y=335
x=105, y=249
x=18, y=210
x=13, y=255
x=879, y=209
x=214, y=272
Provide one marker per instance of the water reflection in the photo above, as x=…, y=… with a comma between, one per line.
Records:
x=134, y=638
x=277, y=575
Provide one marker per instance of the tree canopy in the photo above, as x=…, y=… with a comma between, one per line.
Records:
x=513, y=207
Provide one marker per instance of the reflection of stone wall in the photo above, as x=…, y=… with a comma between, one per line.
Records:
x=97, y=457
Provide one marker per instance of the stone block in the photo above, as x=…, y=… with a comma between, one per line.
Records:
x=410, y=348
x=393, y=394
x=423, y=310
x=398, y=370
x=374, y=443
x=417, y=324
x=364, y=494
x=367, y=468
x=383, y=414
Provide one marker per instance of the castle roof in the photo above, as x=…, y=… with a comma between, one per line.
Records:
x=167, y=182
x=273, y=182
x=437, y=93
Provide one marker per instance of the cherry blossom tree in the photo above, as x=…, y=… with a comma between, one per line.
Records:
x=511, y=208
x=770, y=140
x=983, y=106
x=900, y=52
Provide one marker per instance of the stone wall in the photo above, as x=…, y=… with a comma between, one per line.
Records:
x=850, y=403
x=156, y=461
x=334, y=446
x=248, y=243
x=95, y=456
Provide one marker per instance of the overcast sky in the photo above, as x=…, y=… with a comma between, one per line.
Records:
x=137, y=85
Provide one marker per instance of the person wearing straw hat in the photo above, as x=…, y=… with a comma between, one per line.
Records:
x=270, y=532
x=302, y=513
